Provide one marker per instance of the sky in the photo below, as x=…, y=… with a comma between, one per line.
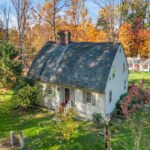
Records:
x=93, y=9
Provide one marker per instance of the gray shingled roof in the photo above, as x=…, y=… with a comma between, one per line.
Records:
x=83, y=65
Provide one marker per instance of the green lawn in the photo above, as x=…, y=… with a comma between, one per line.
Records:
x=36, y=126
x=41, y=135
x=135, y=77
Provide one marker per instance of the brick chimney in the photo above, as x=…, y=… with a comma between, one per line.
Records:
x=63, y=37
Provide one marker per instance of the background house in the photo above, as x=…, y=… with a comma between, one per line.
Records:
x=146, y=65
x=89, y=77
x=139, y=64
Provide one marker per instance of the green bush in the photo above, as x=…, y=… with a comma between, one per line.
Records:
x=97, y=117
x=135, y=101
x=26, y=96
x=118, y=102
x=23, y=81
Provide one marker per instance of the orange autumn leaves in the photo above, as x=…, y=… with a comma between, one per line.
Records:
x=135, y=41
x=75, y=18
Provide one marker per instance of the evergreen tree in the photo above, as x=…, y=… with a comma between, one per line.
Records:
x=10, y=69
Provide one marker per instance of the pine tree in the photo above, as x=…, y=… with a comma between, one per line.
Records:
x=10, y=69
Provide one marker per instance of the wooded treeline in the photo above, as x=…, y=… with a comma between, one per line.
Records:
x=126, y=21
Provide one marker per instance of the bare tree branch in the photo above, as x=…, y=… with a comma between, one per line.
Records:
x=5, y=19
x=22, y=8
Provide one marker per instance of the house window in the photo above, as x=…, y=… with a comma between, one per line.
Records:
x=113, y=72
x=125, y=84
x=145, y=66
x=93, y=100
x=124, y=67
x=89, y=97
x=48, y=89
x=110, y=96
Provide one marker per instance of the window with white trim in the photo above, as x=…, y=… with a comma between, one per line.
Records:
x=48, y=89
x=89, y=97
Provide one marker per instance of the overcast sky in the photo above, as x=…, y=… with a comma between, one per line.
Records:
x=91, y=6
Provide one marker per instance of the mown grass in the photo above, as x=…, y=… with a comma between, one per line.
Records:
x=40, y=134
x=38, y=129
x=135, y=77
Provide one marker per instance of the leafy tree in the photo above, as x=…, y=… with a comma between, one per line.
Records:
x=135, y=41
x=84, y=21
x=10, y=69
x=74, y=17
x=65, y=125
x=50, y=14
x=108, y=18
x=102, y=22
x=126, y=37
x=131, y=10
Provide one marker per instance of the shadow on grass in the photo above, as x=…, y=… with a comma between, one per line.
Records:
x=30, y=120
x=10, y=120
x=82, y=139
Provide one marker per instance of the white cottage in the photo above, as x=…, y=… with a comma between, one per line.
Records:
x=90, y=77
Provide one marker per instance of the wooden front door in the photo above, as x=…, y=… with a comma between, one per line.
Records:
x=67, y=95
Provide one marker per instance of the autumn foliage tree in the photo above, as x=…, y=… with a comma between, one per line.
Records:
x=108, y=18
x=126, y=38
x=134, y=33
x=135, y=40
x=50, y=14
x=73, y=14
x=126, y=22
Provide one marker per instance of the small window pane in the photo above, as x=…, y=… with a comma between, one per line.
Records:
x=110, y=96
x=88, y=97
x=125, y=84
x=93, y=99
x=124, y=67
x=113, y=72
x=84, y=97
x=48, y=89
